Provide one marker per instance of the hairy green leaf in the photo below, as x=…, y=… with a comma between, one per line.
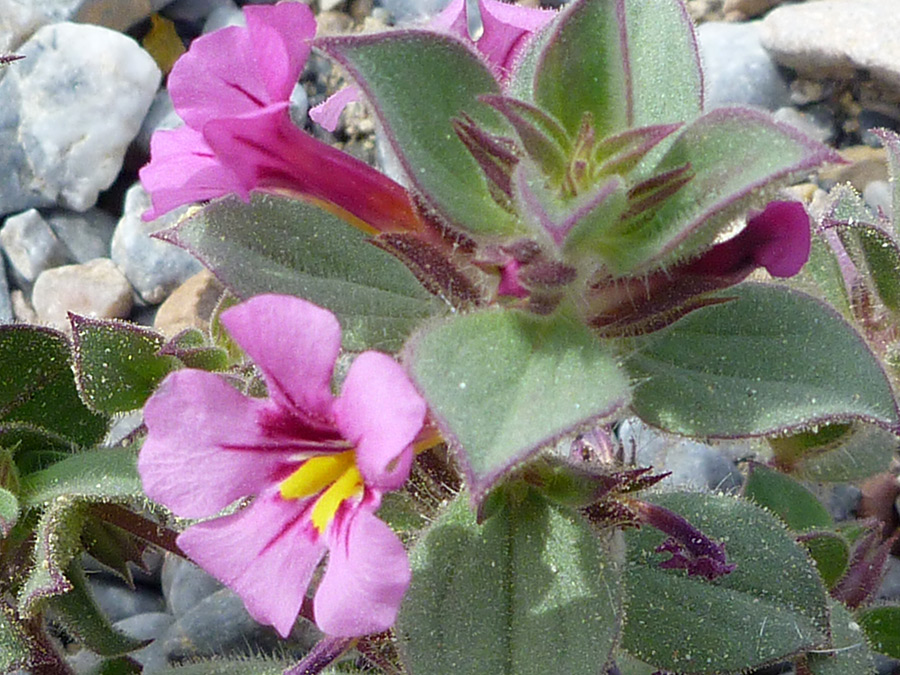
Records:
x=831, y=553
x=278, y=245
x=848, y=653
x=533, y=590
x=786, y=498
x=882, y=626
x=763, y=362
x=105, y=474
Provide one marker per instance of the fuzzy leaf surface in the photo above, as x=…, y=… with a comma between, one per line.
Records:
x=37, y=386
x=848, y=654
x=9, y=512
x=101, y=475
x=863, y=452
x=15, y=649
x=278, y=245
x=482, y=593
x=626, y=63
x=502, y=384
x=742, y=620
x=415, y=112
x=882, y=627
x=116, y=363
x=732, y=154
x=879, y=254
x=831, y=553
x=761, y=363
x=786, y=498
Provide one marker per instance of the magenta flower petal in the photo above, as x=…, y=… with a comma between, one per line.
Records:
x=328, y=112
x=280, y=37
x=217, y=77
x=368, y=573
x=184, y=169
x=381, y=413
x=295, y=343
x=185, y=463
x=264, y=553
x=267, y=151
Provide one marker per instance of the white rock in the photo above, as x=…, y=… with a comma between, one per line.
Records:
x=97, y=288
x=81, y=94
x=20, y=18
x=31, y=245
x=837, y=38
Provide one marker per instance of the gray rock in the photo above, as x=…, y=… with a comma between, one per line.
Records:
x=155, y=268
x=31, y=245
x=693, y=464
x=97, y=288
x=879, y=195
x=737, y=70
x=6, y=307
x=890, y=583
x=835, y=38
x=161, y=115
x=120, y=602
x=193, y=11
x=85, y=235
x=413, y=10
x=71, y=108
x=227, y=15
x=184, y=584
x=817, y=121
x=20, y=18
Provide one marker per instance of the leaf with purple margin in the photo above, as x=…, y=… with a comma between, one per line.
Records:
x=874, y=249
x=57, y=542
x=626, y=63
x=891, y=141
x=786, y=498
x=847, y=652
x=416, y=110
x=734, y=155
x=503, y=384
x=117, y=364
x=760, y=364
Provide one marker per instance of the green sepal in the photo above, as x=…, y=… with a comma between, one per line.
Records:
x=313, y=254
x=503, y=384
x=882, y=627
x=821, y=275
x=192, y=348
x=37, y=387
x=830, y=551
x=627, y=64
x=848, y=653
x=786, y=498
x=762, y=363
x=79, y=613
x=17, y=649
x=9, y=512
x=416, y=110
x=865, y=451
x=532, y=590
x=117, y=364
x=891, y=141
x=742, y=620
x=876, y=254
x=112, y=547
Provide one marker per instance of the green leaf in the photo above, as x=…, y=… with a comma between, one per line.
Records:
x=628, y=665
x=786, y=498
x=626, y=63
x=37, y=386
x=740, y=621
x=117, y=365
x=532, y=590
x=79, y=613
x=732, y=154
x=770, y=360
x=15, y=646
x=831, y=552
x=9, y=512
x=865, y=451
x=876, y=255
x=192, y=348
x=502, y=384
x=57, y=542
x=891, y=142
x=415, y=112
x=309, y=252
x=821, y=275
x=102, y=475
x=848, y=654
x=882, y=627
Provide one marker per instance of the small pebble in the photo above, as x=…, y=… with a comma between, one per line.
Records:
x=190, y=305
x=879, y=196
x=96, y=288
x=864, y=165
x=85, y=235
x=31, y=245
x=120, y=602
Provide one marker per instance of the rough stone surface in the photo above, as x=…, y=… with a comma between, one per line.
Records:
x=737, y=70
x=155, y=268
x=6, y=306
x=71, y=107
x=864, y=165
x=837, y=38
x=190, y=305
x=413, y=10
x=97, y=288
x=31, y=245
x=85, y=235
x=748, y=8
x=20, y=18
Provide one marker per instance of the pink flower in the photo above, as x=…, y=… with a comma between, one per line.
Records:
x=506, y=28
x=232, y=89
x=314, y=465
